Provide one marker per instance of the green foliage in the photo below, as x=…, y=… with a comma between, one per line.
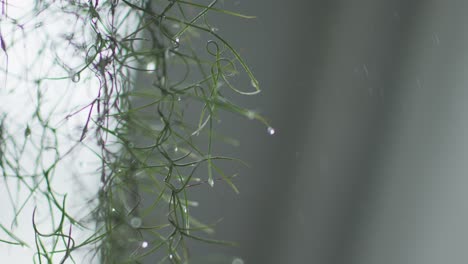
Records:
x=149, y=68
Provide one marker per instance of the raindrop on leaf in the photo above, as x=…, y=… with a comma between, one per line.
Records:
x=254, y=84
x=250, y=114
x=136, y=222
x=76, y=77
x=271, y=131
x=27, y=131
x=211, y=182
x=151, y=66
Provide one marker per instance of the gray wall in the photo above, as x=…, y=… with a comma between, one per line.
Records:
x=368, y=163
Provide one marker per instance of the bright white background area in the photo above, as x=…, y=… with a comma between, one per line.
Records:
x=32, y=56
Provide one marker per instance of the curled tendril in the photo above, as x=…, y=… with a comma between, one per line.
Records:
x=212, y=43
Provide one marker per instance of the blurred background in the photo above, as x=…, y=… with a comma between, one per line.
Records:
x=368, y=162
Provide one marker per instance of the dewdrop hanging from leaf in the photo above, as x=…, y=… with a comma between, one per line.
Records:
x=271, y=131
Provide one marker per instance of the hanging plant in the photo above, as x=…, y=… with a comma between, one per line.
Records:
x=108, y=118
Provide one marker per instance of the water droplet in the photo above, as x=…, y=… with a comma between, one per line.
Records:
x=237, y=261
x=144, y=244
x=271, y=131
x=151, y=66
x=185, y=209
x=170, y=256
x=113, y=210
x=136, y=222
x=176, y=149
x=119, y=170
x=27, y=131
x=250, y=114
x=76, y=77
x=254, y=83
x=179, y=99
x=211, y=182
x=214, y=29
x=176, y=45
